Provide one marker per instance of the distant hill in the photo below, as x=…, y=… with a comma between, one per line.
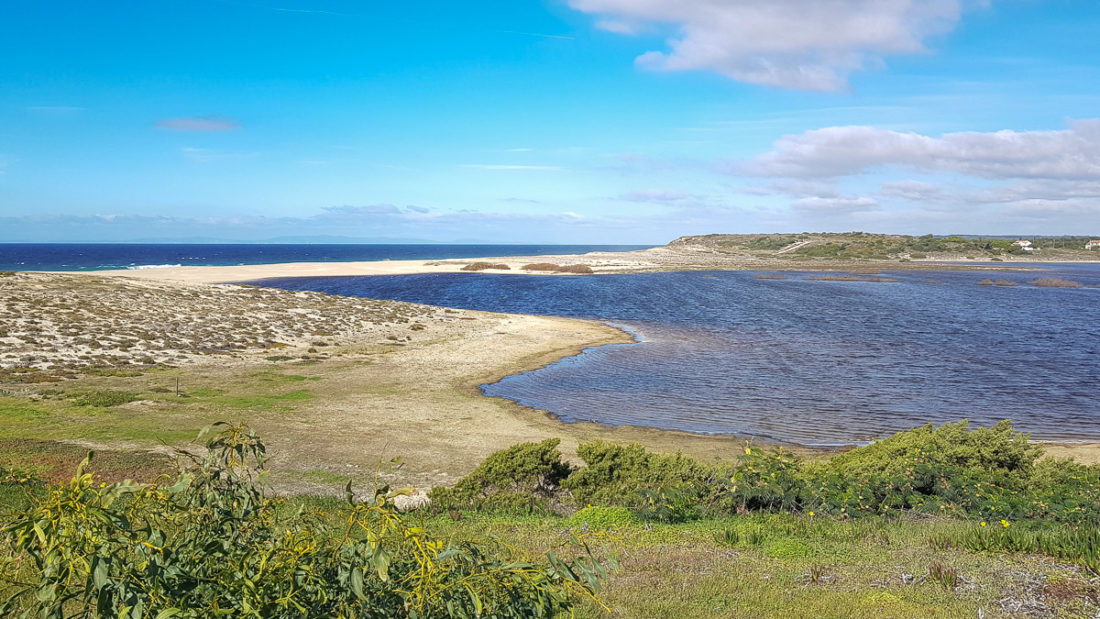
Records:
x=867, y=246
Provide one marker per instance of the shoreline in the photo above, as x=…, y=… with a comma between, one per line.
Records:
x=376, y=400
x=657, y=259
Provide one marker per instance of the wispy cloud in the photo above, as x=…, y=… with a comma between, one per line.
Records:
x=783, y=43
x=1072, y=153
x=657, y=195
x=199, y=123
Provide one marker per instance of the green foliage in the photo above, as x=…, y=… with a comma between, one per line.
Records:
x=523, y=477
x=763, y=480
x=617, y=474
x=827, y=250
x=602, y=518
x=951, y=470
x=104, y=398
x=771, y=243
x=210, y=542
x=1078, y=544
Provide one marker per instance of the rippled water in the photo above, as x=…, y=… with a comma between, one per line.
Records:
x=796, y=360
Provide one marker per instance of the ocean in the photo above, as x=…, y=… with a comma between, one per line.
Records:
x=797, y=360
x=103, y=256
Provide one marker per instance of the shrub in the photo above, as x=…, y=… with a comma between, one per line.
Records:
x=582, y=269
x=616, y=474
x=482, y=266
x=550, y=267
x=211, y=542
x=540, y=266
x=524, y=477
x=1055, y=282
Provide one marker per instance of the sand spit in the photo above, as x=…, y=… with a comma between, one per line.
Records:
x=676, y=257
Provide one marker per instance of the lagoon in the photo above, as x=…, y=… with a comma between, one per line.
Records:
x=798, y=360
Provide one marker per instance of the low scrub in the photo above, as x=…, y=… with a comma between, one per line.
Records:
x=1055, y=282
x=524, y=477
x=541, y=266
x=484, y=266
x=550, y=267
x=104, y=398
x=949, y=470
x=211, y=542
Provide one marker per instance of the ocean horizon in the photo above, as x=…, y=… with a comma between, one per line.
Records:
x=112, y=256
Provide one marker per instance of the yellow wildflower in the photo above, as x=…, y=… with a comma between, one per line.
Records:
x=1004, y=523
x=982, y=523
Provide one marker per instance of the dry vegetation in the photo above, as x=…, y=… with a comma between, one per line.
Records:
x=848, y=278
x=484, y=266
x=550, y=267
x=1055, y=282
x=66, y=322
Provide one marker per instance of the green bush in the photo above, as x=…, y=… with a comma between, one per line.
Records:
x=951, y=470
x=602, y=518
x=210, y=542
x=617, y=474
x=524, y=477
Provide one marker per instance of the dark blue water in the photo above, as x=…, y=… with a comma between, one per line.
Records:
x=795, y=360
x=93, y=257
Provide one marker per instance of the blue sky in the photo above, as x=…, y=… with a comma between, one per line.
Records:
x=569, y=121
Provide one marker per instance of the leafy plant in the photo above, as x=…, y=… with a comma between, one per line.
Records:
x=946, y=577
x=524, y=477
x=211, y=542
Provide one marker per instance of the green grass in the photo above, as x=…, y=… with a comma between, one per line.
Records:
x=103, y=398
x=875, y=566
x=265, y=401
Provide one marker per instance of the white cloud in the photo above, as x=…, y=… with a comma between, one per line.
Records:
x=656, y=195
x=916, y=191
x=1072, y=153
x=836, y=205
x=199, y=123
x=1049, y=175
x=803, y=44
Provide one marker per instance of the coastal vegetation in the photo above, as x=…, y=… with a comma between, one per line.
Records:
x=550, y=267
x=485, y=266
x=210, y=541
x=949, y=520
x=867, y=247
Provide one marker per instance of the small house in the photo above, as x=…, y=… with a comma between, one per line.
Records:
x=1093, y=243
x=1024, y=244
